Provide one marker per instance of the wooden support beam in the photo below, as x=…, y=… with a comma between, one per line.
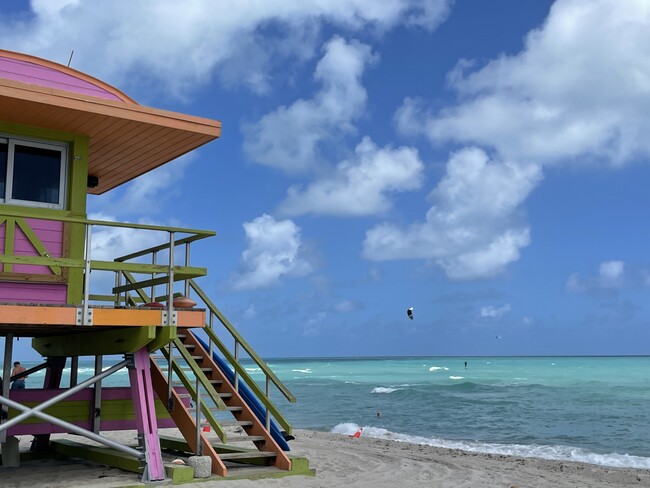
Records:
x=101, y=455
x=164, y=335
x=83, y=343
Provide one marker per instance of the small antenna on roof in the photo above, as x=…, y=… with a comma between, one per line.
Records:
x=70, y=60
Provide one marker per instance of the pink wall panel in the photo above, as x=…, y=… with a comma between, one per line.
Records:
x=50, y=233
x=46, y=293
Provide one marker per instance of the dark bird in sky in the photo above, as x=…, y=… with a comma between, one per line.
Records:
x=409, y=312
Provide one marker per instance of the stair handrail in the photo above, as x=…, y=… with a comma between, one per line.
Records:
x=238, y=338
x=263, y=398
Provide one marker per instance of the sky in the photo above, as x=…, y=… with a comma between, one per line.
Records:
x=485, y=163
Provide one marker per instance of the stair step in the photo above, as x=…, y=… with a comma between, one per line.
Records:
x=217, y=409
x=245, y=438
x=237, y=423
x=246, y=455
x=214, y=382
x=159, y=357
x=221, y=395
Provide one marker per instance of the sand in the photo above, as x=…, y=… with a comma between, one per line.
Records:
x=364, y=463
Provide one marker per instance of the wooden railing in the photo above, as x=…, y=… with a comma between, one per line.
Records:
x=166, y=273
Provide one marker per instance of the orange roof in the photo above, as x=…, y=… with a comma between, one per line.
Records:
x=126, y=139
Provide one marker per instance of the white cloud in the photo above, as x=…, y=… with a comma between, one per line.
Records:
x=174, y=47
x=610, y=276
x=495, y=312
x=250, y=312
x=314, y=324
x=274, y=250
x=345, y=306
x=289, y=137
x=145, y=194
x=109, y=243
x=611, y=273
x=575, y=284
x=578, y=90
x=474, y=227
x=359, y=186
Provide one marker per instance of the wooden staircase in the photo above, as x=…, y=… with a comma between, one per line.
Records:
x=217, y=396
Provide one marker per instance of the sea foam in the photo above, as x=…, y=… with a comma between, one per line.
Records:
x=438, y=368
x=382, y=389
x=555, y=452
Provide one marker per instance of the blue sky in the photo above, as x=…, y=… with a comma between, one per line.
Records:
x=482, y=162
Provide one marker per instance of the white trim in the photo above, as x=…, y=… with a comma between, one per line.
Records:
x=61, y=148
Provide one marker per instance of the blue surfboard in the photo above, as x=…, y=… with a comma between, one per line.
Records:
x=251, y=400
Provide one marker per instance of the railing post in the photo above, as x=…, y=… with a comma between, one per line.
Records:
x=237, y=362
x=170, y=284
x=187, y=263
x=211, y=344
x=268, y=397
x=199, y=447
x=170, y=312
x=118, y=283
x=84, y=319
x=154, y=257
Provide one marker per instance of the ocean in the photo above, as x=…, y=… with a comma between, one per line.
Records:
x=589, y=409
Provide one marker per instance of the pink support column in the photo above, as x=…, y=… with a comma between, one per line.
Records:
x=145, y=415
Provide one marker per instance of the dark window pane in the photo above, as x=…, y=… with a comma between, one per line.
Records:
x=37, y=174
x=4, y=149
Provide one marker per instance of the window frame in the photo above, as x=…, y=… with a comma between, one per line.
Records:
x=62, y=148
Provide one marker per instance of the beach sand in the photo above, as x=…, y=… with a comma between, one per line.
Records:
x=341, y=461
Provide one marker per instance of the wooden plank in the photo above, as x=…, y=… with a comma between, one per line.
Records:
x=246, y=456
x=101, y=455
x=191, y=318
x=31, y=277
x=10, y=237
x=126, y=317
x=21, y=314
x=180, y=272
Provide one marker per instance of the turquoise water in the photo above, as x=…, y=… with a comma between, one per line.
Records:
x=589, y=409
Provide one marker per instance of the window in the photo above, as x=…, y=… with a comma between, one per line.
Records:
x=32, y=173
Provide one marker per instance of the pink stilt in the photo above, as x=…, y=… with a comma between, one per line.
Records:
x=145, y=415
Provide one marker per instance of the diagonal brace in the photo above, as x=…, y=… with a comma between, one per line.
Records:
x=72, y=428
x=28, y=412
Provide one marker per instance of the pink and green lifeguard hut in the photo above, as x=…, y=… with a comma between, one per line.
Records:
x=63, y=135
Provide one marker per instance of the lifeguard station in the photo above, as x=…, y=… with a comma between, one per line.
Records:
x=63, y=135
